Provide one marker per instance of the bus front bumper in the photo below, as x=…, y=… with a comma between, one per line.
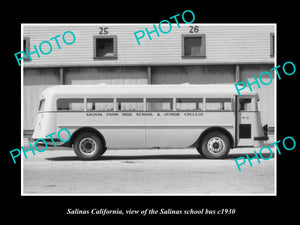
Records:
x=48, y=141
x=262, y=138
x=260, y=141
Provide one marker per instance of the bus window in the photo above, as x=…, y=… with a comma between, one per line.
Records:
x=245, y=104
x=41, y=105
x=70, y=104
x=102, y=104
x=218, y=104
x=159, y=104
x=130, y=104
x=189, y=104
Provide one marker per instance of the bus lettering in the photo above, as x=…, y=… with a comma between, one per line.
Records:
x=193, y=114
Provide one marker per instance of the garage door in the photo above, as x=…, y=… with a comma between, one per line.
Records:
x=35, y=82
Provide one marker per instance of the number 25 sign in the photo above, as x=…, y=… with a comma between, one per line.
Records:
x=103, y=30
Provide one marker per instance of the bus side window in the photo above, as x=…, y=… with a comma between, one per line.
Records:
x=218, y=104
x=245, y=104
x=189, y=104
x=70, y=104
x=101, y=104
x=159, y=104
x=130, y=104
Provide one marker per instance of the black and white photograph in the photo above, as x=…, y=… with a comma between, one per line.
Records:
x=115, y=112
x=148, y=109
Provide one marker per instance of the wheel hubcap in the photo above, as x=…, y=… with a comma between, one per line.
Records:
x=87, y=146
x=215, y=145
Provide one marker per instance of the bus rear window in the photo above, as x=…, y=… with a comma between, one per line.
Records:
x=41, y=105
x=218, y=104
x=70, y=104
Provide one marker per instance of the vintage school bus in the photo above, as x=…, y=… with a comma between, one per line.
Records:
x=210, y=118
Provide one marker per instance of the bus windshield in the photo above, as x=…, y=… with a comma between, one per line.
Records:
x=42, y=105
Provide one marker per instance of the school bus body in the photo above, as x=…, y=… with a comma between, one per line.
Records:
x=151, y=116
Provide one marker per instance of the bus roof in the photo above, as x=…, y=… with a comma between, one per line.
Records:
x=141, y=90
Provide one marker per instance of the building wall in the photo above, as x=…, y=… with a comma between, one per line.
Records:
x=108, y=75
x=35, y=81
x=206, y=74
x=266, y=92
x=224, y=44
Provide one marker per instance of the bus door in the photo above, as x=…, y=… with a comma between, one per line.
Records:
x=245, y=120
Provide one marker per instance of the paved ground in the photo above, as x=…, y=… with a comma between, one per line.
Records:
x=163, y=171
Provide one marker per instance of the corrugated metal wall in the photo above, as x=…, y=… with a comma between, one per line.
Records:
x=108, y=75
x=216, y=74
x=224, y=44
x=266, y=92
x=35, y=81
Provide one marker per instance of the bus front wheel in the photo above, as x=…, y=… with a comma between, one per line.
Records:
x=88, y=146
x=215, y=145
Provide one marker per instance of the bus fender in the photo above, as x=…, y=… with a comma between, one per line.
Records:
x=83, y=130
x=215, y=128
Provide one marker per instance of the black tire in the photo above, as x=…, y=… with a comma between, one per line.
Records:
x=199, y=149
x=215, y=145
x=88, y=146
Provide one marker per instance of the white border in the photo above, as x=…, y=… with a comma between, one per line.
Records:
x=166, y=194
x=275, y=108
x=22, y=110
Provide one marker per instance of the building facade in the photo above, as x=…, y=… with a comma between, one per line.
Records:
x=110, y=53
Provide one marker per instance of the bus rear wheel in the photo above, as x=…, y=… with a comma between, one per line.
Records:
x=88, y=146
x=215, y=145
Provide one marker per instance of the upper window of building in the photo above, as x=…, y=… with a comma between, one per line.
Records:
x=26, y=45
x=193, y=46
x=272, y=44
x=105, y=47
